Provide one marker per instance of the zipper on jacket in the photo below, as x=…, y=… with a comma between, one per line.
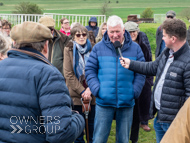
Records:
x=116, y=77
x=155, y=88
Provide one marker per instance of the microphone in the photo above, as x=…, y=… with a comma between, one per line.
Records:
x=118, y=45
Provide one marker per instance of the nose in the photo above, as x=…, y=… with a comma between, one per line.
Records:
x=115, y=34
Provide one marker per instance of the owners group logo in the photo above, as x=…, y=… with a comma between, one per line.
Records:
x=37, y=125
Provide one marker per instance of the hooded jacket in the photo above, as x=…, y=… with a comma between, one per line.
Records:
x=112, y=84
x=95, y=29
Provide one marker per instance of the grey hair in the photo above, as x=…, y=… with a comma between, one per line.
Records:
x=39, y=46
x=114, y=20
x=5, y=44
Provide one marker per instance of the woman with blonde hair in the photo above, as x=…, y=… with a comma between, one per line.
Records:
x=5, y=45
x=101, y=32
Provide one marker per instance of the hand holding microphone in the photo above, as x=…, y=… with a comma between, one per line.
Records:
x=125, y=62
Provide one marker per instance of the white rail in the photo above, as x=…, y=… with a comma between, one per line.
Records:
x=20, y=18
x=83, y=19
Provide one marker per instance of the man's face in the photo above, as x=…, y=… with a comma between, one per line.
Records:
x=51, y=29
x=93, y=23
x=169, y=17
x=116, y=33
x=167, y=39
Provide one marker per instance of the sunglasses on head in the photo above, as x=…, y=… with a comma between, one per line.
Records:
x=170, y=17
x=83, y=35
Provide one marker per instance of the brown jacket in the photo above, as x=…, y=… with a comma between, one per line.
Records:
x=73, y=84
x=179, y=130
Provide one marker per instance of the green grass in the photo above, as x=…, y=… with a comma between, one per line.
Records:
x=122, y=9
x=144, y=137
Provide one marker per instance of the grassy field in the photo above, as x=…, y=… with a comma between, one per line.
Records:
x=144, y=137
x=123, y=8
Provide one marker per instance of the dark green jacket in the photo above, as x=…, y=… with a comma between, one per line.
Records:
x=56, y=50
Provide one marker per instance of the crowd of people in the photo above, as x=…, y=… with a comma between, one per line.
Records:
x=47, y=74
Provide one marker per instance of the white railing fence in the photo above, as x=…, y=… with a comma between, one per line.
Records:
x=20, y=18
x=82, y=19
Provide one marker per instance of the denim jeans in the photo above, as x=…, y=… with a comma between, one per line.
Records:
x=91, y=115
x=103, y=122
x=160, y=129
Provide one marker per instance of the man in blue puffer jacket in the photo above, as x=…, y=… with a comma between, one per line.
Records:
x=92, y=26
x=34, y=100
x=115, y=88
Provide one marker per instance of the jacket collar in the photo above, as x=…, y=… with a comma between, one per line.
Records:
x=38, y=55
x=178, y=53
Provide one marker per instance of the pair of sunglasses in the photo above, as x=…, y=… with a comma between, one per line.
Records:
x=66, y=23
x=83, y=35
x=170, y=17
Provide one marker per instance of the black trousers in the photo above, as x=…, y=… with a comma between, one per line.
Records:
x=136, y=123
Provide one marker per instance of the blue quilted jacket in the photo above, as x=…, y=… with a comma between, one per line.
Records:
x=112, y=84
x=35, y=106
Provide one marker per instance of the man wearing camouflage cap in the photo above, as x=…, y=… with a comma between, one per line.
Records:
x=56, y=48
x=159, y=34
x=34, y=100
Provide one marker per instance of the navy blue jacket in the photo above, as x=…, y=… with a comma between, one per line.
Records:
x=35, y=103
x=95, y=29
x=112, y=84
x=176, y=87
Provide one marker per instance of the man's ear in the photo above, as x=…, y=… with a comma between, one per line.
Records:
x=174, y=39
x=123, y=30
x=45, y=50
x=1, y=57
x=46, y=47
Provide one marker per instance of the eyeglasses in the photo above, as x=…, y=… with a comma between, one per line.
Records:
x=132, y=31
x=6, y=28
x=83, y=35
x=170, y=17
x=66, y=23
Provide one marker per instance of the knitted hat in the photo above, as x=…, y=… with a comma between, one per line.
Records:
x=29, y=32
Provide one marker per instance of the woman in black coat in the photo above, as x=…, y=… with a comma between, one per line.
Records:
x=142, y=104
